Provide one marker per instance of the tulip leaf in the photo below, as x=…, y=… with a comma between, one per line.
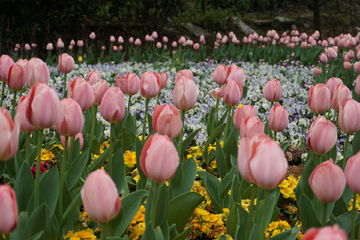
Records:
x=356, y=142
x=303, y=185
x=99, y=162
x=127, y=138
x=182, y=207
x=289, y=234
x=232, y=220
x=22, y=219
x=36, y=236
x=212, y=185
x=210, y=121
x=76, y=149
x=340, y=207
x=77, y=168
x=243, y=218
x=307, y=212
x=162, y=205
x=271, y=207
x=223, y=117
x=222, y=237
x=10, y=167
x=231, y=140
x=189, y=174
x=149, y=233
x=220, y=160
x=189, y=139
x=150, y=124
x=24, y=187
x=344, y=221
x=320, y=209
x=118, y=171
x=165, y=230
x=255, y=232
x=138, y=149
x=184, y=234
x=95, y=146
x=99, y=131
x=284, y=146
x=226, y=182
x=211, y=140
x=70, y=210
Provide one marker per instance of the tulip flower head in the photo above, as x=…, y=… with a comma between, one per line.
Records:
x=8, y=209
x=166, y=120
x=322, y=136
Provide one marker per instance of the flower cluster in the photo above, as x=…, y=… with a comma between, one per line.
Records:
x=137, y=225
x=87, y=234
x=288, y=186
x=276, y=227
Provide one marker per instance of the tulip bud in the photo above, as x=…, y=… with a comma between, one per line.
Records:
x=93, y=77
x=233, y=93
x=9, y=132
x=322, y=136
x=92, y=36
x=8, y=209
x=80, y=43
x=66, y=63
x=166, y=120
x=341, y=92
x=49, y=46
x=278, y=118
x=77, y=136
x=332, y=54
x=112, y=39
x=196, y=46
x=154, y=35
x=251, y=126
x=347, y=65
x=59, y=43
x=27, y=47
x=243, y=112
x=319, y=99
x=114, y=48
x=138, y=42
x=328, y=232
x=5, y=64
x=112, y=106
x=71, y=120
x=36, y=71
x=158, y=45
x=131, y=40
x=185, y=94
x=272, y=90
x=317, y=71
x=163, y=79
x=99, y=89
x=72, y=42
x=82, y=92
x=218, y=36
x=323, y=58
x=181, y=40
x=356, y=67
x=16, y=76
x=174, y=44
x=202, y=39
x=351, y=171
x=218, y=93
x=165, y=39
x=219, y=75
x=235, y=73
x=349, y=113
x=150, y=84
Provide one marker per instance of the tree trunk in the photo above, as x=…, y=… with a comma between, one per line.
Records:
x=317, y=19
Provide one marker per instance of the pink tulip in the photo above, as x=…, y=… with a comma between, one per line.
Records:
x=319, y=99
x=218, y=36
x=99, y=89
x=25, y=126
x=59, y=43
x=165, y=39
x=322, y=136
x=154, y=35
x=332, y=83
x=9, y=132
x=71, y=47
x=341, y=92
x=236, y=73
x=231, y=34
x=202, y=39
x=166, y=120
x=174, y=44
x=351, y=54
x=8, y=209
x=272, y=90
x=224, y=39
x=115, y=48
x=233, y=93
x=5, y=64
x=66, y=63
x=150, y=85
x=129, y=83
x=112, y=39
x=71, y=120
x=138, y=42
x=185, y=94
x=251, y=126
x=100, y=197
x=278, y=118
x=36, y=71
x=49, y=46
x=92, y=36
x=158, y=45
x=186, y=73
x=27, y=47
x=196, y=46
x=347, y=65
x=82, y=92
x=243, y=112
x=218, y=93
x=93, y=77
x=317, y=71
x=80, y=43
x=112, y=106
x=323, y=58
x=327, y=181
x=332, y=54
x=16, y=77
x=261, y=161
x=120, y=40
x=356, y=67
x=357, y=86
x=163, y=79
x=325, y=233
x=77, y=136
x=182, y=40
x=349, y=113
x=72, y=42
x=131, y=40
x=219, y=75
x=159, y=158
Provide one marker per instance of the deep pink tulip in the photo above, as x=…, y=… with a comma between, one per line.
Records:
x=9, y=132
x=159, y=158
x=100, y=197
x=235, y=73
x=332, y=83
x=261, y=161
x=25, y=125
x=163, y=79
x=112, y=106
x=317, y=71
x=219, y=75
x=272, y=90
x=278, y=118
x=325, y=233
x=36, y=71
x=233, y=93
x=184, y=73
x=322, y=136
x=77, y=136
x=150, y=84
x=349, y=115
x=71, y=120
x=251, y=126
x=243, y=112
x=66, y=63
x=82, y=92
x=327, y=181
x=357, y=86
x=93, y=77
x=8, y=209
x=185, y=94
x=218, y=93
x=166, y=120
x=341, y=92
x=319, y=99
x=17, y=77
x=129, y=83
x=5, y=64
x=99, y=89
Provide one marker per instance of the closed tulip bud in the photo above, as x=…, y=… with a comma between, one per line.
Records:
x=202, y=39
x=27, y=47
x=185, y=94
x=80, y=43
x=112, y=39
x=218, y=93
x=158, y=45
x=189, y=42
x=347, y=65
x=352, y=175
x=93, y=77
x=25, y=126
x=196, y=46
x=357, y=86
x=236, y=73
x=138, y=42
x=100, y=197
x=71, y=47
x=71, y=120
x=184, y=73
x=325, y=233
x=16, y=76
x=245, y=40
x=49, y=46
x=332, y=54
x=77, y=136
x=349, y=113
x=243, y=112
x=9, y=132
x=36, y=71
x=322, y=136
x=174, y=44
x=154, y=35
x=112, y=106
x=319, y=99
x=72, y=42
x=5, y=63
x=66, y=63
x=304, y=45
x=8, y=209
x=317, y=71
x=165, y=39
x=149, y=84
x=233, y=93
x=341, y=92
x=129, y=83
x=114, y=48
x=92, y=36
x=163, y=79
x=356, y=67
x=219, y=75
x=251, y=126
x=327, y=181
x=99, y=89
x=278, y=118
x=166, y=120
x=231, y=34
x=224, y=39
x=159, y=158
x=59, y=43
x=323, y=58
x=120, y=40
x=82, y=92
x=261, y=161
x=218, y=36
x=181, y=40
x=351, y=54
x=131, y=40
x=272, y=90
x=332, y=83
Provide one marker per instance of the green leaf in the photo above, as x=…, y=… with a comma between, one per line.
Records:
x=99, y=131
x=308, y=216
x=149, y=233
x=24, y=187
x=212, y=185
x=189, y=139
x=231, y=140
x=77, y=168
x=162, y=205
x=70, y=210
x=118, y=170
x=340, y=207
x=138, y=149
x=99, y=162
x=220, y=160
x=226, y=182
x=344, y=221
x=128, y=138
x=36, y=236
x=289, y=234
x=182, y=207
x=210, y=121
x=271, y=205
x=284, y=146
x=210, y=140
x=356, y=142
x=189, y=174
x=95, y=146
x=17, y=234
x=232, y=220
x=303, y=185
x=184, y=234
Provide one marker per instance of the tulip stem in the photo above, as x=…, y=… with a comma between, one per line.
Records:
x=324, y=214
x=72, y=143
x=38, y=161
x=62, y=175
x=64, y=91
x=275, y=133
x=158, y=99
x=129, y=104
x=217, y=110
x=28, y=148
x=144, y=125
x=232, y=116
x=319, y=159
x=263, y=219
x=153, y=205
x=345, y=151
x=2, y=94
x=111, y=149
x=251, y=210
x=257, y=205
x=94, y=111
x=227, y=124
x=103, y=231
x=181, y=136
x=13, y=106
x=353, y=218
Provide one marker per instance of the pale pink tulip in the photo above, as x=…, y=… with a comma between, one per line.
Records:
x=272, y=90
x=149, y=84
x=9, y=132
x=166, y=120
x=77, y=136
x=341, y=92
x=5, y=64
x=112, y=106
x=319, y=99
x=278, y=118
x=219, y=75
x=325, y=233
x=71, y=120
x=129, y=83
x=93, y=77
x=36, y=71
x=66, y=63
x=92, y=36
x=233, y=93
x=186, y=73
x=16, y=77
x=82, y=92
x=251, y=126
x=25, y=126
x=185, y=94
x=332, y=83
x=8, y=209
x=243, y=112
x=218, y=93
x=235, y=73
x=349, y=113
x=163, y=79
x=99, y=89
x=322, y=136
